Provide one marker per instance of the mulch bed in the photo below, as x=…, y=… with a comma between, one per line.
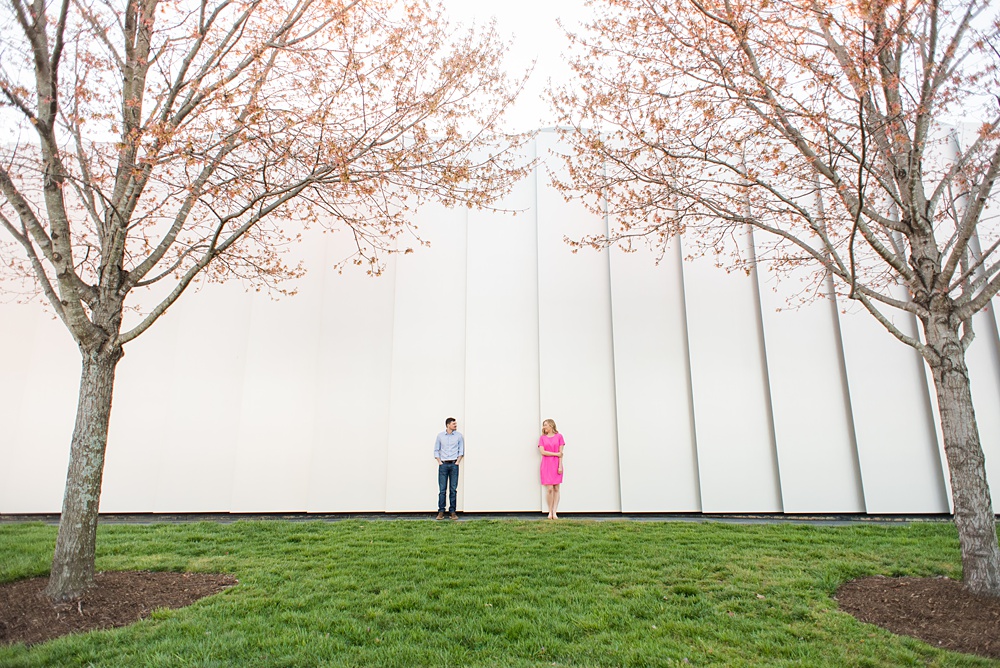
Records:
x=936, y=610
x=117, y=599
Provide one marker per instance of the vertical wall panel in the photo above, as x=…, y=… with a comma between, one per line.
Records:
x=428, y=359
x=814, y=436
x=210, y=367
x=146, y=440
x=17, y=331
x=349, y=459
x=576, y=359
x=656, y=445
x=736, y=458
x=277, y=413
x=897, y=448
x=501, y=373
x=40, y=372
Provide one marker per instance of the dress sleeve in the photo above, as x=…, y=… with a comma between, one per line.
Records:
x=562, y=441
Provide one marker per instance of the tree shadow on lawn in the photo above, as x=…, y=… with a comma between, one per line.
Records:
x=936, y=610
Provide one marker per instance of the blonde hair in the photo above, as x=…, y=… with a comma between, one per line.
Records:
x=551, y=423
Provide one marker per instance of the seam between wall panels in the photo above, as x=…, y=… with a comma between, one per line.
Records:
x=460, y=501
x=845, y=386
x=930, y=406
x=160, y=496
x=932, y=414
x=845, y=382
x=319, y=356
x=388, y=389
x=538, y=295
x=689, y=377
x=243, y=391
x=538, y=334
x=765, y=371
x=990, y=311
x=614, y=366
x=991, y=336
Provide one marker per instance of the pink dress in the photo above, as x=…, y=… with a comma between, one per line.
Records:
x=550, y=465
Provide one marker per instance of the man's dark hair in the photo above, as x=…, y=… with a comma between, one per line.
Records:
x=448, y=421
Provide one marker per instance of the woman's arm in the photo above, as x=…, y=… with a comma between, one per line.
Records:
x=546, y=453
x=560, y=456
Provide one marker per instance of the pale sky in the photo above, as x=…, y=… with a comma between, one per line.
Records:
x=531, y=24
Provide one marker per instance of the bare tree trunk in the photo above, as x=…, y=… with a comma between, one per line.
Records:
x=73, y=561
x=970, y=491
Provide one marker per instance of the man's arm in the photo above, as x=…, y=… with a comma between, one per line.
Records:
x=461, y=449
x=437, y=449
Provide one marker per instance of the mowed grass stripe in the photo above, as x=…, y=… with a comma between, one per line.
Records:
x=502, y=593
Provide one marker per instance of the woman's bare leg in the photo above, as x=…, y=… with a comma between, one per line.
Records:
x=554, y=503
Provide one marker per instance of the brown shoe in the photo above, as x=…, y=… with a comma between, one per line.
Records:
x=440, y=516
x=454, y=516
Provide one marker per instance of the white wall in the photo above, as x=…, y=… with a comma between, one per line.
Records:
x=350, y=453
x=898, y=449
x=657, y=451
x=501, y=357
x=428, y=358
x=733, y=425
x=39, y=376
x=814, y=436
x=678, y=387
x=576, y=351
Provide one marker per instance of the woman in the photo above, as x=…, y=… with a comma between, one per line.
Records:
x=550, y=446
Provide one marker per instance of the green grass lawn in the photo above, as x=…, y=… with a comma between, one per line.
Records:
x=501, y=593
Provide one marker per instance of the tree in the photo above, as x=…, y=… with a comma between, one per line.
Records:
x=168, y=142
x=820, y=126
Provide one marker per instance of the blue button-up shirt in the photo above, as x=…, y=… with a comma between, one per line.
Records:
x=448, y=447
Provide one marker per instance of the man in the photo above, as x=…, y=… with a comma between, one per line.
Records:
x=449, y=449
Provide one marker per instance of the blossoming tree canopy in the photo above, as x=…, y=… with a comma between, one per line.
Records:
x=166, y=142
x=833, y=131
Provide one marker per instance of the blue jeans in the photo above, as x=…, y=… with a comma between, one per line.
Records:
x=447, y=479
